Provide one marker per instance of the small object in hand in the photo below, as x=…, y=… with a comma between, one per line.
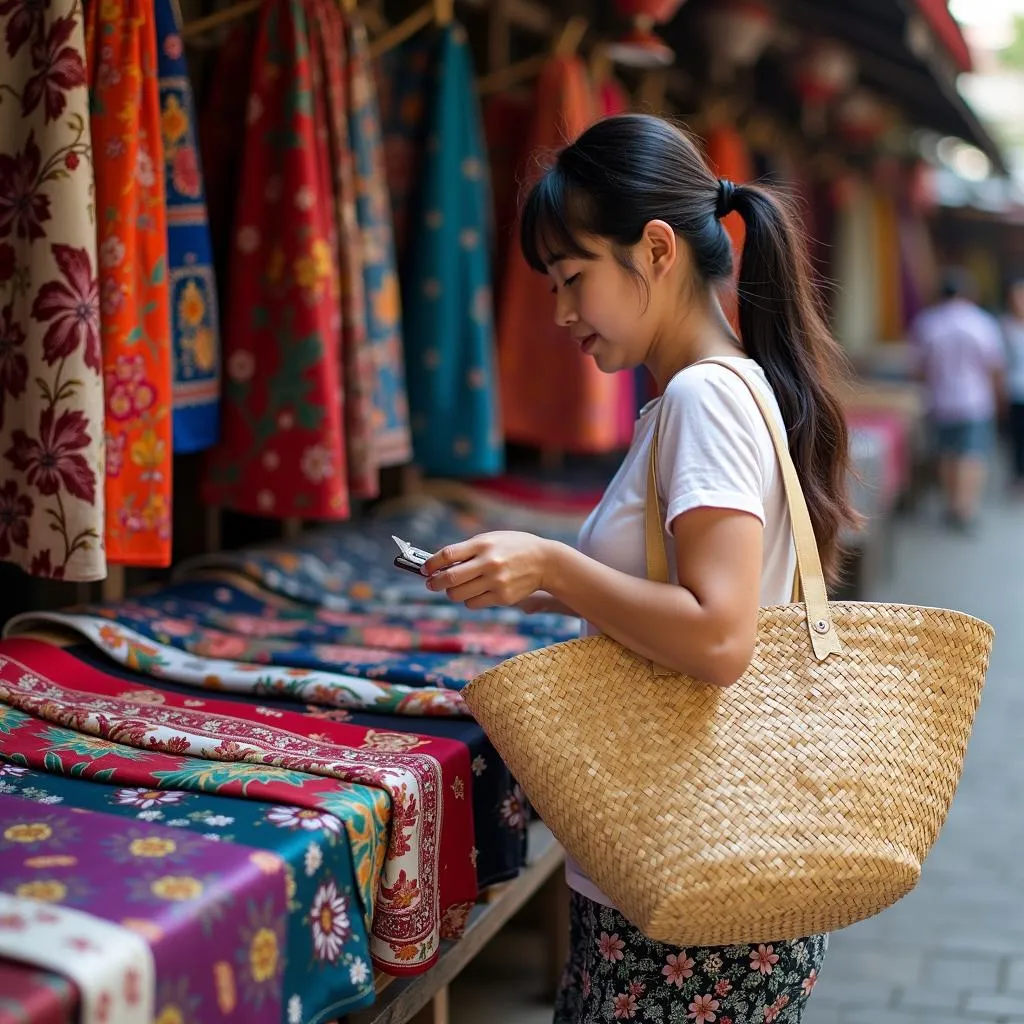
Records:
x=412, y=558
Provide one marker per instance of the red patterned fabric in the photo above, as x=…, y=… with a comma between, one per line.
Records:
x=429, y=874
x=282, y=452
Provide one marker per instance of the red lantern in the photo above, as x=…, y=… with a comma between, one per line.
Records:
x=861, y=119
x=738, y=32
x=821, y=76
x=641, y=47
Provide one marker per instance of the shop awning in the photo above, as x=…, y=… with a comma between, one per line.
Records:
x=910, y=52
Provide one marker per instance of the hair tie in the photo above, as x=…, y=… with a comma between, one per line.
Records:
x=725, y=204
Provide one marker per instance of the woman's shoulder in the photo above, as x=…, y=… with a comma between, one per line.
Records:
x=710, y=383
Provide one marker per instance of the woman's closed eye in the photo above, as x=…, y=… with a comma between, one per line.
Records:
x=568, y=281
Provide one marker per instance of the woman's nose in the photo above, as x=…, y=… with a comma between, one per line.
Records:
x=565, y=309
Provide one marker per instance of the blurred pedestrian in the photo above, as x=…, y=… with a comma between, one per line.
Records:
x=1013, y=335
x=962, y=363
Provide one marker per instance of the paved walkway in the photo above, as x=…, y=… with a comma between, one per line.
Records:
x=953, y=950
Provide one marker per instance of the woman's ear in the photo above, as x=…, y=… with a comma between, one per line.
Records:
x=662, y=248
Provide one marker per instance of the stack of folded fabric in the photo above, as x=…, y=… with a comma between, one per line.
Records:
x=274, y=752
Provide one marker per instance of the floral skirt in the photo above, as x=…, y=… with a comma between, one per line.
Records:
x=616, y=973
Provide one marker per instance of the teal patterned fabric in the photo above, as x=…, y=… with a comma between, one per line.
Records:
x=447, y=234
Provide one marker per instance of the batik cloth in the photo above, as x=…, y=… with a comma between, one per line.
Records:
x=427, y=881
x=134, y=293
x=392, y=439
x=446, y=269
x=282, y=449
x=51, y=370
x=195, y=324
x=327, y=971
x=191, y=900
x=30, y=994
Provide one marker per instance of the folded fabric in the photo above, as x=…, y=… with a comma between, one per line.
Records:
x=364, y=812
x=136, y=649
x=327, y=969
x=190, y=901
x=428, y=869
x=30, y=994
x=187, y=608
x=499, y=808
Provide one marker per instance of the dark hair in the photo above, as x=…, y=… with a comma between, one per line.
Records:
x=628, y=170
x=956, y=283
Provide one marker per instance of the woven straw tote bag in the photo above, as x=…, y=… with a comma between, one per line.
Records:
x=799, y=800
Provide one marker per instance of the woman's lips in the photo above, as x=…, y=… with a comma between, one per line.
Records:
x=588, y=343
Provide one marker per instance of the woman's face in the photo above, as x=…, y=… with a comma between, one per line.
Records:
x=603, y=306
x=1017, y=299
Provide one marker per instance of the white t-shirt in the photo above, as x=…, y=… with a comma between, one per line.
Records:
x=714, y=451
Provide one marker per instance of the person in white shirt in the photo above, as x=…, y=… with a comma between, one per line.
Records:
x=961, y=359
x=627, y=224
x=1013, y=336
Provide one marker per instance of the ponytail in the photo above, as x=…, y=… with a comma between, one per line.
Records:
x=625, y=171
x=783, y=329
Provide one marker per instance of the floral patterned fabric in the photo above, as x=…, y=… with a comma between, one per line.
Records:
x=51, y=370
x=191, y=901
x=500, y=813
x=350, y=567
x=137, y=649
x=615, y=973
x=392, y=440
x=110, y=965
x=427, y=884
x=327, y=970
x=328, y=60
x=193, y=288
x=32, y=996
x=446, y=272
x=134, y=294
x=362, y=811
x=282, y=449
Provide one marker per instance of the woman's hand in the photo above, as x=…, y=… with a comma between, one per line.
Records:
x=491, y=569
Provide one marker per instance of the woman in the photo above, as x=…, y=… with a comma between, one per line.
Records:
x=627, y=224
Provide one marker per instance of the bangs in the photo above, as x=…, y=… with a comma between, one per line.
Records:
x=552, y=222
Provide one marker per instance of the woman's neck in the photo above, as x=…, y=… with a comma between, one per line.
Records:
x=696, y=331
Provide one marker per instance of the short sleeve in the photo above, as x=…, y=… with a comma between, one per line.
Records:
x=713, y=444
x=994, y=345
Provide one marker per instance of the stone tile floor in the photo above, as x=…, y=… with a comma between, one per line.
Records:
x=953, y=950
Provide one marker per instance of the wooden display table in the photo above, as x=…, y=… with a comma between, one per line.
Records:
x=423, y=999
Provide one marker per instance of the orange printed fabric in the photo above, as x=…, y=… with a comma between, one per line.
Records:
x=134, y=312
x=552, y=395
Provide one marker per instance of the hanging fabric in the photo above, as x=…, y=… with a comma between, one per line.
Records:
x=449, y=325
x=391, y=437
x=51, y=385
x=135, y=314
x=282, y=448
x=195, y=329
x=329, y=64
x=552, y=395
x=507, y=121
x=222, y=127
x=856, y=311
x=888, y=273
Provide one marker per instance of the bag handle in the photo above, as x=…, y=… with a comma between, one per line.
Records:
x=824, y=640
